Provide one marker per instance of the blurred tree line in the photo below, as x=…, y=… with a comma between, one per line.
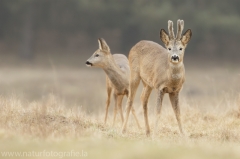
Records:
x=27, y=26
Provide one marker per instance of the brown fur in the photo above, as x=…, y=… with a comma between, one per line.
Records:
x=153, y=65
x=117, y=72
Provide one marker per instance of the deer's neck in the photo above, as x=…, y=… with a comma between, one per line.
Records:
x=116, y=75
x=176, y=72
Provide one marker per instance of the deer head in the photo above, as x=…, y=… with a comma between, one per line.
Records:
x=101, y=56
x=175, y=45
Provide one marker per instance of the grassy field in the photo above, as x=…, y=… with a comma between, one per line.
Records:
x=56, y=111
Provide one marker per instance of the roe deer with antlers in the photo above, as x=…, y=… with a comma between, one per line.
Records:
x=117, y=72
x=158, y=68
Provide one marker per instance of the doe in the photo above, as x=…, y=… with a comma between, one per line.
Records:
x=117, y=72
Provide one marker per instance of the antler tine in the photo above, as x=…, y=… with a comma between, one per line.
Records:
x=170, y=30
x=180, y=25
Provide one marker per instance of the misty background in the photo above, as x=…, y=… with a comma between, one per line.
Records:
x=44, y=45
x=32, y=27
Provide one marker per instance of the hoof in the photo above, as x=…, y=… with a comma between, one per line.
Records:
x=123, y=131
x=148, y=133
x=139, y=127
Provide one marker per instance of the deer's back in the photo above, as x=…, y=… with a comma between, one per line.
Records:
x=149, y=60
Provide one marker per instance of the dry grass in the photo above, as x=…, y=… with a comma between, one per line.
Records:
x=49, y=125
x=61, y=109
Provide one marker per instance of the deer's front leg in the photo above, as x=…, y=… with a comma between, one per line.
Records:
x=174, y=98
x=109, y=91
x=160, y=95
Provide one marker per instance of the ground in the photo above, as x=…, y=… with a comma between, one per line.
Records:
x=56, y=111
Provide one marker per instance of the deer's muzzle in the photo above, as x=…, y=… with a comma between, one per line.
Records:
x=175, y=58
x=89, y=64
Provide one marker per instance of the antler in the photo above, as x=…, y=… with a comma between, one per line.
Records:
x=170, y=30
x=180, y=25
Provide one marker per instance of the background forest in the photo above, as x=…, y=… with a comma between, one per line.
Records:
x=32, y=27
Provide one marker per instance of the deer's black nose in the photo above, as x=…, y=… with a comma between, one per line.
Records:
x=88, y=63
x=175, y=58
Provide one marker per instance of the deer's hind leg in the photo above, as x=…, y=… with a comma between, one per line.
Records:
x=135, y=117
x=144, y=99
x=134, y=82
x=115, y=108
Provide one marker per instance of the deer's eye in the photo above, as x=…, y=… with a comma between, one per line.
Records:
x=96, y=55
x=180, y=48
x=169, y=48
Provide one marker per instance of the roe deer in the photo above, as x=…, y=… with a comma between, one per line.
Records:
x=117, y=72
x=158, y=68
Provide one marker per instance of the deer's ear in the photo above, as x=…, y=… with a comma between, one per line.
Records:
x=186, y=37
x=100, y=44
x=103, y=45
x=164, y=37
